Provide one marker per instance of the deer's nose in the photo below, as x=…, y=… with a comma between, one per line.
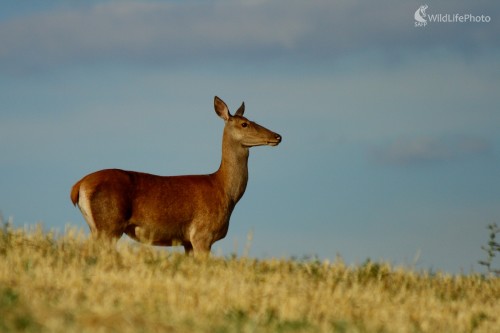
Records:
x=277, y=137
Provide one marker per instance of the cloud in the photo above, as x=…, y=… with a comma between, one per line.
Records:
x=145, y=32
x=424, y=150
x=166, y=32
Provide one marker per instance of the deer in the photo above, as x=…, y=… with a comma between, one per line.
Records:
x=189, y=210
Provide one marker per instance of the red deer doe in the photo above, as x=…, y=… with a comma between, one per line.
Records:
x=192, y=211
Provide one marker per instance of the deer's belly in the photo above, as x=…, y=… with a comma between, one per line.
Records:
x=167, y=235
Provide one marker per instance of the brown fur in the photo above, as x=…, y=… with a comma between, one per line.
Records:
x=75, y=192
x=190, y=210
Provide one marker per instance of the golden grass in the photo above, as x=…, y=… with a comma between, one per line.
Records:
x=66, y=283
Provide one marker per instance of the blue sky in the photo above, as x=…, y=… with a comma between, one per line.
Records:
x=391, y=147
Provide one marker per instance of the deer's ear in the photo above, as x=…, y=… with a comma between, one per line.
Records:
x=221, y=108
x=241, y=110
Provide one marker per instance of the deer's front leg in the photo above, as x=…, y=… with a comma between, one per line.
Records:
x=188, y=248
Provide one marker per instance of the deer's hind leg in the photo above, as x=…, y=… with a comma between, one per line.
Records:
x=105, y=213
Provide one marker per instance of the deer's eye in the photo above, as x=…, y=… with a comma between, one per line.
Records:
x=244, y=125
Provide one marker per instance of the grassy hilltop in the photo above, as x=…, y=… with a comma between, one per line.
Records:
x=66, y=283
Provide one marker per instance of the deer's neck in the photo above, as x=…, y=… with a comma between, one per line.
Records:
x=233, y=170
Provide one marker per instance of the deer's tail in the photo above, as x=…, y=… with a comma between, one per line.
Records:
x=75, y=192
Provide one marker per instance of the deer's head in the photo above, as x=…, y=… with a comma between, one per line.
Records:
x=241, y=130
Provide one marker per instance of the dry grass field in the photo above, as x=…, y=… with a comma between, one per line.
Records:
x=66, y=283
